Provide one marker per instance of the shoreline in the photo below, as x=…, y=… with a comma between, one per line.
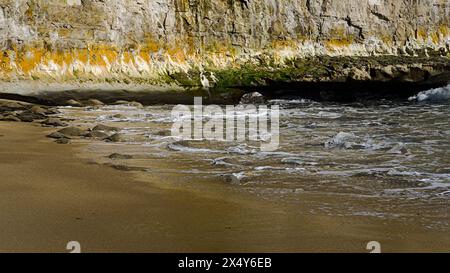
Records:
x=50, y=196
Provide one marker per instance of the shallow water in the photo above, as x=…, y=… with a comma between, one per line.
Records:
x=381, y=159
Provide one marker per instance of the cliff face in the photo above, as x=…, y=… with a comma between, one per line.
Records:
x=162, y=41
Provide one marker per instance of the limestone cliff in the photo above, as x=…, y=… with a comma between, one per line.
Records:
x=181, y=41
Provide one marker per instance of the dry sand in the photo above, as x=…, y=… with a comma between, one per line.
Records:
x=48, y=197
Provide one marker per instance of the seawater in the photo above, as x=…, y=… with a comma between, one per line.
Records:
x=379, y=158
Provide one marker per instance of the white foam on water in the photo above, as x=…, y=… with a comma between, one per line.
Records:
x=221, y=161
x=329, y=115
x=341, y=140
x=236, y=178
x=295, y=170
x=274, y=154
x=288, y=102
x=184, y=149
x=395, y=172
x=268, y=168
x=444, y=193
x=433, y=95
x=293, y=161
x=240, y=150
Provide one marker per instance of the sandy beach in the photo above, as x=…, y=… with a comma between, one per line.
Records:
x=49, y=196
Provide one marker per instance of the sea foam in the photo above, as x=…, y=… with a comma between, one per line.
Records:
x=433, y=95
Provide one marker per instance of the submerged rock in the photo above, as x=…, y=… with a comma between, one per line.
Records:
x=292, y=161
x=29, y=113
x=63, y=140
x=114, y=138
x=26, y=117
x=121, y=102
x=94, y=102
x=12, y=105
x=119, y=116
x=39, y=110
x=105, y=128
x=136, y=104
x=129, y=103
x=164, y=133
x=11, y=118
x=253, y=98
x=311, y=125
x=124, y=167
x=97, y=135
x=399, y=149
x=120, y=156
x=54, y=122
x=235, y=178
x=72, y=131
x=222, y=161
x=74, y=103
x=57, y=135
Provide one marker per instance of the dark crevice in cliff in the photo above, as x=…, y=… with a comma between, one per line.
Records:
x=350, y=23
x=380, y=16
x=308, y=6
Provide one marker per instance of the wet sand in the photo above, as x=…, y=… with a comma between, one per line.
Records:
x=50, y=196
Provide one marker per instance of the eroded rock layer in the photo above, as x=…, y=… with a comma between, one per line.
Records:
x=182, y=41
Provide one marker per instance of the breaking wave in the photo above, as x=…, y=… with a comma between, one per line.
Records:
x=433, y=95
